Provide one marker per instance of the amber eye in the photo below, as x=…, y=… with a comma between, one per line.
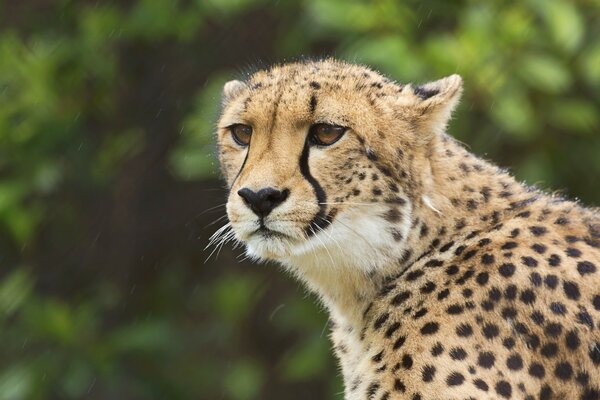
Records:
x=325, y=134
x=241, y=134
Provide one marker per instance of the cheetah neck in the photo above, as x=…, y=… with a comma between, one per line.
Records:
x=458, y=194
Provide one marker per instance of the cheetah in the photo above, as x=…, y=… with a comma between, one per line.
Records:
x=444, y=277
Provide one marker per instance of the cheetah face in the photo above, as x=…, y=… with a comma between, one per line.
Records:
x=310, y=166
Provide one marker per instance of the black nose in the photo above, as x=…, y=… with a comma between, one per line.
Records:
x=263, y=201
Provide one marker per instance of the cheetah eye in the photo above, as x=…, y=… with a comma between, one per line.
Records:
x=325, y=134
x=241, y=134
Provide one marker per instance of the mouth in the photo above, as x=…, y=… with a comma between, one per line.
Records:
x=267, y=233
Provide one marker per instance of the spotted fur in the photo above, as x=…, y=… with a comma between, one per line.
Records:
x=444, y=277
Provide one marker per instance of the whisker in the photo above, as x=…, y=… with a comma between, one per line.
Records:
x=215, y=221
x=211, y=209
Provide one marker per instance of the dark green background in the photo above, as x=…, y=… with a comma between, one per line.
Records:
x=109, y=185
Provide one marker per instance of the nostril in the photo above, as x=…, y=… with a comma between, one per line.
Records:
x=263, y=201
x=246, y=194
x=278, y=196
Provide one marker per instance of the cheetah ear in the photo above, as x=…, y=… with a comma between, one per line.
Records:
x=231, y=90
x=434, y=103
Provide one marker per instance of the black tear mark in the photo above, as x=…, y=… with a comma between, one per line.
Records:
x=320, y=220
x=423, y=93
x=315, y=85
x=313, y=103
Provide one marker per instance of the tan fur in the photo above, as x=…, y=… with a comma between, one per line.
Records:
x=411, y=211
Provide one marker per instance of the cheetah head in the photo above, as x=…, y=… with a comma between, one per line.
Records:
x=327, y=160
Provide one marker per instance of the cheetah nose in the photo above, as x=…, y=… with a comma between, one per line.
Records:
x=263, y=201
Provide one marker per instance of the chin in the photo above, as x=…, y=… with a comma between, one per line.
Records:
x=269, y=248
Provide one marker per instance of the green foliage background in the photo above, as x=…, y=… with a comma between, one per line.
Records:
x=109, y=187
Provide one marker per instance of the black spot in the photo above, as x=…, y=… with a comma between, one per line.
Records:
x=414, y=275
x=315, y=85
x=549, y=350
x=508, y=342
x=377, y=357
x=537, y=370
x=596, y=302
x=430, y=328
x=546, y=393
x=455, y=309
x=482, y=278
x=469, y=254
x=428, y=373
x=380, y=321
x=452, y=270
x=313, y=103
x=539, y=248
x=400, y=298
x=481, y=385
x=455, y=379
x=490, y=330
x=428, y=287
x=407, y=361
x=527, y=296
x=553, y=329
x=514, y=362
x=399, y=386
x=399, y=342
x=437, y=349
x=573, y=252
x=563, y=371
x=509, y=312
x=443, y=294
x=529, y=261
x=446, y=247
x=535, y=279
x=487, y=259
x=537, y=317
x=583, y=317
x=458, y=353
x=509, y=245
x=554, y=260
x=420, y=313
x=572, y=340
x=537, y=230
x=551, y=281
x=464, y=330
x=486, y=359
x=571, y=290
x=510, y=293
x=507, y=270
x=558, y=308
x=504, y=389
x=586, y=267
x=392, y=329
x=494, y=294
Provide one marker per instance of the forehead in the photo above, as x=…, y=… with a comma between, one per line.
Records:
x=305, y=92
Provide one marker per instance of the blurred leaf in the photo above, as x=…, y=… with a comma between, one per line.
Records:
x=565, y=23
x=590, y=63
x=244, y=380
x=574, y=115
x=235, y=296
x=150, y=336
x=16, y=383
x=306, y=361
x=14, y=290
x=544, y=73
